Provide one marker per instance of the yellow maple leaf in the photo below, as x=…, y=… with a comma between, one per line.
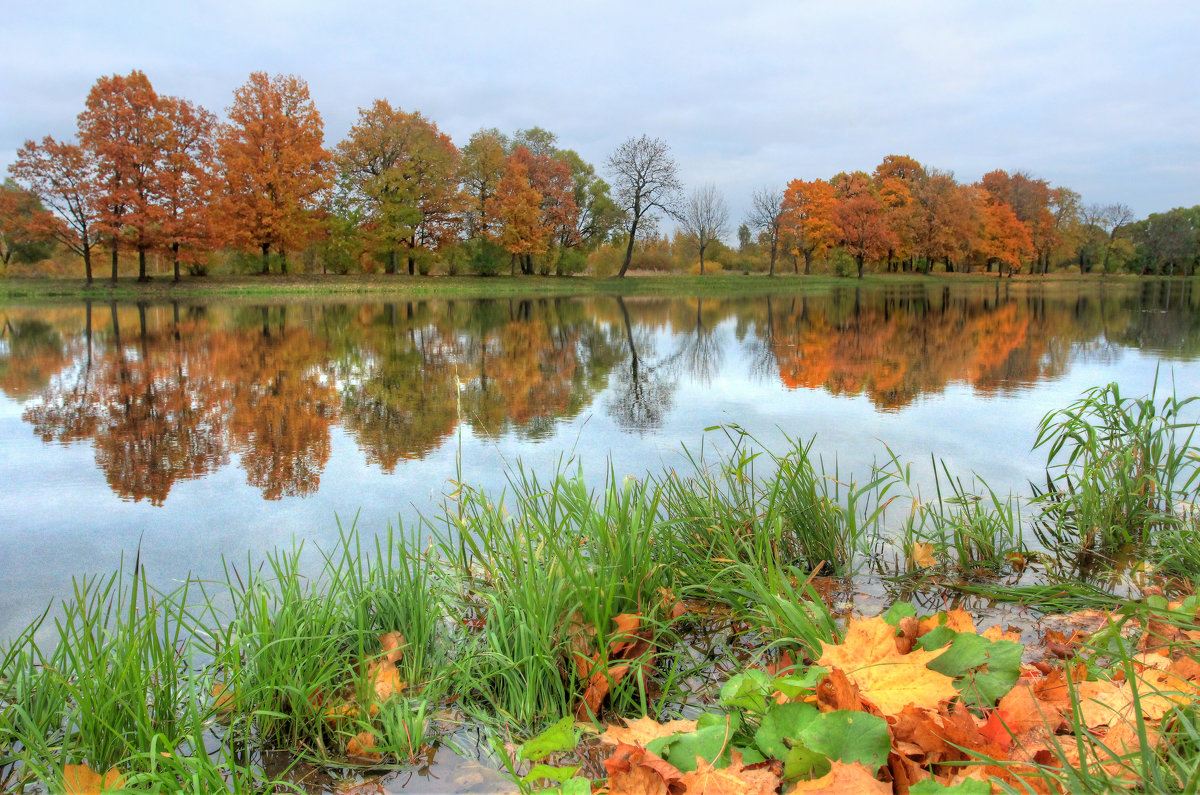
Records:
x=885, y=677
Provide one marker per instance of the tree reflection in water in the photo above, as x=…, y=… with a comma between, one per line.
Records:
x=165, y=393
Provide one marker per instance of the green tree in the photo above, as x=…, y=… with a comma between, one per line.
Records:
x=405, y=172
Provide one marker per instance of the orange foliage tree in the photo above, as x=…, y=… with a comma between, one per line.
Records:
x=517, y=205
x=861, y=218
x=124, y=126
x=63, y=177
x=808, y=218
x=187, y=180
x=274, y=164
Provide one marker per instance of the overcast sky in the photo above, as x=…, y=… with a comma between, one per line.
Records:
x=1102, y=97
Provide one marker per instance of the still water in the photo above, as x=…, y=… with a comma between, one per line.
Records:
x=196, y=430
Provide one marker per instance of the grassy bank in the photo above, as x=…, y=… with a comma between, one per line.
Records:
x=16, y=290
x=713, y=596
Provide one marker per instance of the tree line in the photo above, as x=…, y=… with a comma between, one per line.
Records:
x=154, y=175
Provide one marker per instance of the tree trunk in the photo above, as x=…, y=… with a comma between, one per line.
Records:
x=392, y=263
x=142, y=277
x=860, y=265
x=629, y=248
x=266, y=250
x=702, y=260
x=807, y=262
x=774, y=246
x=283, y=261
x=115, y=261
x=87, y=263
x=175, y=253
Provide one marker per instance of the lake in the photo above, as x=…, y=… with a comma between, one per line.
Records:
x=188, y=431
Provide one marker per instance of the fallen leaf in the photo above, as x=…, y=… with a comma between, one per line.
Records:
x=736, y=779
x=82, y=780
x=223, y=699
x=885, y=678
x=362, y=746
x=835, y=691
x=633, y=770
x=957, y=619
x=843, y=779
x=597, y=690
x=640, y=731
x=996, y=633
x=921, y=555
x=385, y=680
x=393, y=646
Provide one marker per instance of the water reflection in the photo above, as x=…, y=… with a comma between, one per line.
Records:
x=171, y=392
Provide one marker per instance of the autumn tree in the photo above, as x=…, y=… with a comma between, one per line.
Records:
x=550, y=176
x=1004, y=239
x=808, y=218
x=517, y=206
x=186, y=179
x=705, y=218
x=406, y=173
x=1029, y=199
x=944, y=220
x=25, y=226
x=481, y=168
x=646, y=178
x=766, y=215
x=124, y=126
x=63, y=177
x=861, y=218
x=273, y=163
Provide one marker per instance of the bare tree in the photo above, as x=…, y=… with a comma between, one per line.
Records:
x=705, y=218
x=766, y=214
x=645, y=176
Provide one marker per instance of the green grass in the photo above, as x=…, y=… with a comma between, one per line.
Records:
x=509, y=604
x=162, y=288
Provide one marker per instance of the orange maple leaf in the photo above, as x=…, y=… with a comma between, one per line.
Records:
x=736, y=779
x=843, y=779
x=886, y=678
x=82, y=780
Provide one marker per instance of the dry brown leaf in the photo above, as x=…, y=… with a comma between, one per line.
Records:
x=640, y=731
x=844, y=779
x=633, y=770
x=362, y=746
x=835, y=691
x=886, y=678
x=597, y=690
x=909, y=627
x=82, y=780
x=736, y=779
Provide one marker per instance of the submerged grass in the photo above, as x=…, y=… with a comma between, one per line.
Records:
x=555, y=598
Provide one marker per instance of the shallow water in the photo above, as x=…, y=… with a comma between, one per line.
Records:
x=184, y=432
